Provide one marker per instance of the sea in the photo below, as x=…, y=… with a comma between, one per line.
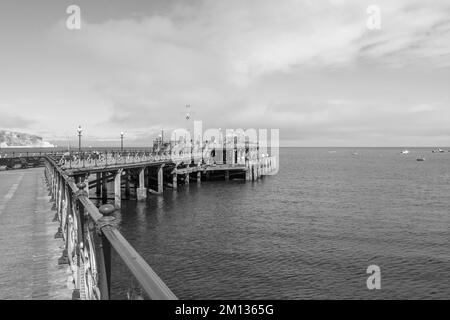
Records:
x=309, y=232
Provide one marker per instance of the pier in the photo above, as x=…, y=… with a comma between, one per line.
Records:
x=62, y=241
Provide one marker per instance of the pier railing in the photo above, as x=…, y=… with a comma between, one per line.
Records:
x=90, y=234
x=81, y=160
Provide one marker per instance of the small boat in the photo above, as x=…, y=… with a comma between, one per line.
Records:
x=405, y=152
x=439, y=150
x=355, y=153
x=420, y=159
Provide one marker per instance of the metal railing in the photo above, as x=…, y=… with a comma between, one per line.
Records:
x=81, y=160
x=90, y=234
x=103, y=159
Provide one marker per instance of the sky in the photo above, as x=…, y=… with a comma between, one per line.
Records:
x=311, y=69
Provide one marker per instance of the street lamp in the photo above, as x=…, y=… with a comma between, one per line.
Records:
x=121, y=141
x=79, y=130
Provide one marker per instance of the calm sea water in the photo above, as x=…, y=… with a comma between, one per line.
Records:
x=311, y=231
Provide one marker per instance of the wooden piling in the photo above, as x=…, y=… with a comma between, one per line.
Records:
x=174, y=180
x=142, y=190
x=118, y=190
x=98, y=190
x=127, y=184
x=86, y=181
x=104, y=183
x=160, y=179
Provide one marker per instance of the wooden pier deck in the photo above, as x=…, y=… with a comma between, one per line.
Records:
x=28, y=250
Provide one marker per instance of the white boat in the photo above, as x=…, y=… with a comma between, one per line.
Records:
x=405, y=152
x=439, y=150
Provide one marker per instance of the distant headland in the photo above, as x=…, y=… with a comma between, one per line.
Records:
x=11, y=139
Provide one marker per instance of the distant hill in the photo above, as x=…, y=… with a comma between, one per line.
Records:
x=10, y=139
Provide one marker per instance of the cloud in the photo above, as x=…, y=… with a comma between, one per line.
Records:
x=13, y=121
x=238, y=41
x=218, y=55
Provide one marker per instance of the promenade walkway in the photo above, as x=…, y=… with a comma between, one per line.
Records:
x=28, y=251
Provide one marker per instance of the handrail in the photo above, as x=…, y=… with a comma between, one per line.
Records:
x=147, y=278
x=71, y=221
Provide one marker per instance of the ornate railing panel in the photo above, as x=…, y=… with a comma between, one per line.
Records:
x=89, y=235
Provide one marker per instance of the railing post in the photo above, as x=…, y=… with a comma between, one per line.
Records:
x=56, y=217
x=104, y=251
x=79, y=212
x=55, y=190
x=52, y=184
x=64, y=259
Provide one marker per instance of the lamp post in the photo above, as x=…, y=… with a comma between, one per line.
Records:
x=79, y=130
x=121, y=141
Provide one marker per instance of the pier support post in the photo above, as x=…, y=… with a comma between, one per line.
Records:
x=187, y=178
x=127, y=184
x=258, y=169
x=160, y=179
x=117, y=190
x=174, y=180
x=98, y=190
x=227, y=175
x=247, y=171
x=104, y=183
x=86, y=181
x=142, y=190
x=199, y=177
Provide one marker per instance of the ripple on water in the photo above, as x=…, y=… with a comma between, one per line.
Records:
x=308, y=232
